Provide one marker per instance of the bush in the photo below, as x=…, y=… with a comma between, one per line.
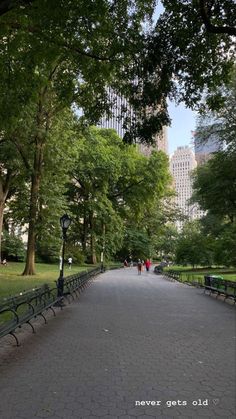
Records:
x=76, y=253
x=12, y=247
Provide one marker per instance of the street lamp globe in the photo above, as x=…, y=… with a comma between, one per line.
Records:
x=65, y=221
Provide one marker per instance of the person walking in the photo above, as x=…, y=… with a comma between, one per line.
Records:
x=139, y=266
x=70, y=262
x=147, y=264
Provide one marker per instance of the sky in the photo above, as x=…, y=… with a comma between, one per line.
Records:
x=182, y=125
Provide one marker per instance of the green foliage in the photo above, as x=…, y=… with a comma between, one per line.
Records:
x=225, y=252
x=214, y=182
x=88, y=46
x=193, y=247
x=185, y=59
x=166, y=242
x=75, y=252
x=221, y=125
x=59, y=54
x=137, y=245
x=214, y=185
x=12, y=247
x=113, y=189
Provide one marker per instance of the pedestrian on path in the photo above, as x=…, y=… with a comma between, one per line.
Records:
x=140, y=266
x=70, y=262
x=147, y=264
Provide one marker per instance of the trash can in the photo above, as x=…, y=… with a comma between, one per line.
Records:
x=209, y=278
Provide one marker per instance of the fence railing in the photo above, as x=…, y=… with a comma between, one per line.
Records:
x=184, y=277
x=22, y=308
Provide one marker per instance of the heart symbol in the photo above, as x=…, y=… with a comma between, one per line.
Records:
x=215, y=401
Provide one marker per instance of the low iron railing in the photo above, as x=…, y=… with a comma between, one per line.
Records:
x=22, y=308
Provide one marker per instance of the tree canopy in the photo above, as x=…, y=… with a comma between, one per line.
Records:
x=63, y=55
x=188, y=54
x=112, y=190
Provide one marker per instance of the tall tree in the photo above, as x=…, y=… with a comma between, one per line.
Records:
x=186, y=33
x=220, y=125
x=146, y=64
x=97, y=168
x=12, y=176
x=113, y=185
x=214, y=185
x=51, y=58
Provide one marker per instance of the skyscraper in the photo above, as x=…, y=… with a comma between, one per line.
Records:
x=182, y=163
x=205, y=148
x=123, y=112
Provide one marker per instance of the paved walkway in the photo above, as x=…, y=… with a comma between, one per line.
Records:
x=131, y=347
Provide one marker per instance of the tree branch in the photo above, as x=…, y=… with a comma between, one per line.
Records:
x=22, y=154
x=121, y=193
x=229, y=30
x=63, y=44
x=7, y=5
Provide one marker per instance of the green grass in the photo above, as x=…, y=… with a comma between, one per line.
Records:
x=189, y=274
x=12, y=282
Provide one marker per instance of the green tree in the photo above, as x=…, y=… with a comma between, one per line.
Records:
x=12, y=177
x=214, y=185
x=113, y=185
x=225, y=246
x=145, y=208
x=166, y=242
x=50, y=59
x=116, y=42
x=12, y=246
x=51, y=201
x=186, y=33
x=97, y=168
x=194, y=247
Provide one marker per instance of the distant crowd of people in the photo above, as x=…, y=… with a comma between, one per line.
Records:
x=141, y=265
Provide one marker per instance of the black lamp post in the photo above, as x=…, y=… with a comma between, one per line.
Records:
x=65, y=221
x=103, y=246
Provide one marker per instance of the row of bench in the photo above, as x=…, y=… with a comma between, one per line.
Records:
x=220, y=287
x=22, y=308
x=213, y=284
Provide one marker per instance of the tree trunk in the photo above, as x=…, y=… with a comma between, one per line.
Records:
x=2, y=205
x=92, y=241
x=93, y=253
x=33, y=211
x=85, y=234
x=4, y=191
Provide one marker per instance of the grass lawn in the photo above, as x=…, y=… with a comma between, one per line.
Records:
x=189, y=274
x=12, y=282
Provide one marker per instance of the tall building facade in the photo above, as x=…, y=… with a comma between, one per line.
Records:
x=160, y=143
x=182, y=163
x=204, y=150
x=121, y=112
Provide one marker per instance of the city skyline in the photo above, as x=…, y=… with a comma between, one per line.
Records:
x=183, y=124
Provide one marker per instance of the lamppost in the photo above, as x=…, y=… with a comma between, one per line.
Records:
x=65, y=222
x=103, y=246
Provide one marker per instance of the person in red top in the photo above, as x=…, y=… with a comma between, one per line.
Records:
x=148, y=264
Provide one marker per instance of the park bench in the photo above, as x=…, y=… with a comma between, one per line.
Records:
x=220, y=286
x=22, y=308
x=74, y=284
x=175, y=275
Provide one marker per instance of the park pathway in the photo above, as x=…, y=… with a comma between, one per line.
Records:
x=130, y=347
